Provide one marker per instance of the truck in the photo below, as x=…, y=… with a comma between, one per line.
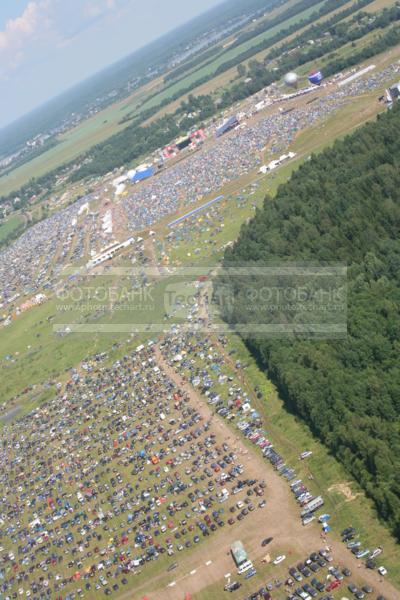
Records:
x=239, y=553
x=312, y=505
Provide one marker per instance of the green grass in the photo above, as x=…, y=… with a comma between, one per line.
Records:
x=292, y=436
x=73, y=143
x=8, y=226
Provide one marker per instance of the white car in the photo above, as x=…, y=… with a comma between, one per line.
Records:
x=382, y=571
x=279, y=559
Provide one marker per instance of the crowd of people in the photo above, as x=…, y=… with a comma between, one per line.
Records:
x=35, y=260
x=236, y=154
x=215, y=165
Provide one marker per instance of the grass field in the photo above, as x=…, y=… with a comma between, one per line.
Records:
x=224, y=79
x=8, y=226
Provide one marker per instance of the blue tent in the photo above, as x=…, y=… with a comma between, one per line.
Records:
x=323, y=518
x=142, y=174
x=227, y=125
x=316, y=77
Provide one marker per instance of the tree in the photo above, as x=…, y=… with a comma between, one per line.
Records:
x=241, y=69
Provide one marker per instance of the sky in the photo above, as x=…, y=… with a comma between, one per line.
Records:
x=46, y=46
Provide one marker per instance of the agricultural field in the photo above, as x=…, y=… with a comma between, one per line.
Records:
x=108, y=122
x=72, y=144
x=227, y=55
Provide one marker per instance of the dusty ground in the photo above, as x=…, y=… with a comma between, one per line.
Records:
x=345, y=489
x=279, y=519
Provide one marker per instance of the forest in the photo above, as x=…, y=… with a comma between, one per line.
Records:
x=341, y=206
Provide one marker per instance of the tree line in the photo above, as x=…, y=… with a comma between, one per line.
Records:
x=341, y=206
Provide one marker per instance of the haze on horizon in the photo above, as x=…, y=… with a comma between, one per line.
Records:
x=47, y=46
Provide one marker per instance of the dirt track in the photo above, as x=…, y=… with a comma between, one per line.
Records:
x=279, y=519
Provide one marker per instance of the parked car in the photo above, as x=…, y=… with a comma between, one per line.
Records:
x=295, y=574
x=266, y=541
x=318, y=584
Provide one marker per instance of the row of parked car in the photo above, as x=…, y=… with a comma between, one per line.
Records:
x=350, y=538
x=302, y=494
x=315, y=586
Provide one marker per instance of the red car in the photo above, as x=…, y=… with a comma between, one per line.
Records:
x=333, y=585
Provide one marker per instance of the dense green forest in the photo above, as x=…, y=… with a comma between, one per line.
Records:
x=342, y=205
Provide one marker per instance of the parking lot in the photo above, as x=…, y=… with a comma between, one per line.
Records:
x=119, y=472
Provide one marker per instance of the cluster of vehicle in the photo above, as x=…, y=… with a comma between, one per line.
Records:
x=237, y=407
x=301, y=492
x=261, y=594
x=350, y=538
x=306, y=590
x=114, y=472
x=233, y=404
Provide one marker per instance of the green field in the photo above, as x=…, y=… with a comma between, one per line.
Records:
x=74, y=143
x=226, y=56
x=8, y=226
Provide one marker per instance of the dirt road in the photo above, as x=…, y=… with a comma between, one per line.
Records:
x=279, y=519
